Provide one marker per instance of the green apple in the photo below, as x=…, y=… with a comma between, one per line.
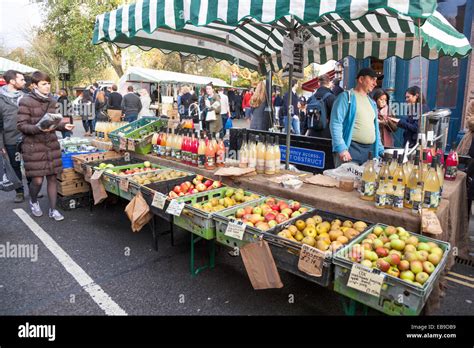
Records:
x=393, y=271
x=416, y=266
x=410, y=256
x=366, y=263
x=412, y=240
x=432, y=245
x=397, y=244
x=428, y=267
x=422, y=277
x=393, y=236
x=402, y=232
x=434, y=258
x=378, y=230
x=422, y=255
x=437, y=251
x=409, y=248
x=423, y=246
x=407, y=275
x=377, y=243
x=387, y=245
x=393, y=251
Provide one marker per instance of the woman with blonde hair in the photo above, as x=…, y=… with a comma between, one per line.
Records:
x=258, y=102
x=100, y=104
x=146, y=102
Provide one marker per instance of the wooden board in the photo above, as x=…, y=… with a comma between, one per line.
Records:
x=69, y=174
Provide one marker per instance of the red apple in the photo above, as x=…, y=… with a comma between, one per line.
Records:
x=404, y=265
x=281, y=218
x=287, y=211
x=177, y=189
x=381, y=252
x=275, y=207
x=383, y=265
x=295, y=205
x=270, y=216
x=270, y=201
x=394, y=259
x=240, y=213
x=201, y=187
x=208, y=183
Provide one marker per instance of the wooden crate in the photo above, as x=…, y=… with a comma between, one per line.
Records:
x=78, y=160
x=69, y=174
x=69, y=188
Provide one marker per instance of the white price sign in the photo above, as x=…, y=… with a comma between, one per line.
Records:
x=123, y=184
x=364, y=280
x=131, y=145
x=123, y=144
x=175, y=208
x=159, y=200
x=235, y=229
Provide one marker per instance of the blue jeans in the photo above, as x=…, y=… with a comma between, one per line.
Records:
x=88, y=125
x=248, y=112
x=131, y=118
x=295, y=124
x=224, y=120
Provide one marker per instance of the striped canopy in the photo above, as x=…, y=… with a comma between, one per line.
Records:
x=250, y=32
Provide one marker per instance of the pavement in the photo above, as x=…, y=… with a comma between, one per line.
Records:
x=93, y=264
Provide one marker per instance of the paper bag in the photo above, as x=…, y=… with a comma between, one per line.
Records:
x=98, y=189
x=138, y=212
x=260, y=266
x=235, y=171
x=321, y=180
x=430, y=222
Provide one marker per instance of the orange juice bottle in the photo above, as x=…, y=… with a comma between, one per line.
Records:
x=220, y=154
x=210, y=156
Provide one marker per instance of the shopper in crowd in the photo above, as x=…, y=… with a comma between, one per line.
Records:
x=131, y=105
x=41, y=150
x=260, y=119
x=100, y=108
x=387, y=126
x=225, y=109
x=10, y=136
x=321, y=102
x=146, y=102
x=212, y=110
x=187, y=99
x=237, y=105
x=277, y=104
x=114, y=105
x=247, y=109
x=29, y=86
x=293, y=112
x=336, y=87
x=86, y=112
x=410, y=121
x=354, y=122
x=302, y=114
x=65, y=109
x=95, y=90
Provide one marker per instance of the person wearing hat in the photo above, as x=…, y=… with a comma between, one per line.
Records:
x=354, y=123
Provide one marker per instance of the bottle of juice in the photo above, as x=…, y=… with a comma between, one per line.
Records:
x=407, y=169
x=220, y=154
x=415, y=177
x=380, y=195
x=277, y=155
x=393, y=162
x=440, y=172
x=389, y=191
x=384, y=170
x=429, y=152
x=260, y=155
x=417, y=198
x=164, y=140
x=398, y=195
x=398, y=172
x=425, y=166
x=440, y=152
x=170, y=144
x=452, y=162
x=210, y=156
x=194, y=150
x=213, y=140
x=155, y=142
x=252, y=152
x=369, y=178
x=201, y=152
x=244, y=153
x=177, y=146
x=270, y=157
x=183, y=147
x=431, y=197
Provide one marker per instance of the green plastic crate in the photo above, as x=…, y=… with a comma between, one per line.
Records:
x=198, y=221
x=143, y=135
x=397, y=296
x=115, y=135
x=252, y=234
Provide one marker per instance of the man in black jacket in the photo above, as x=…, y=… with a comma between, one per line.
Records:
x=326, y=95
x=114, y=105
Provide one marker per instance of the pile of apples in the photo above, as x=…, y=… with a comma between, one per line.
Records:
x=230, y=198
x=150, y=177
x=199, y=184
x=269, y=214
x=146, y=167
x=323, y=235
x=398, y=253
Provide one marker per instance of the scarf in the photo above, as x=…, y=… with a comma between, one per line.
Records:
x=42, y=96
x=13, y=96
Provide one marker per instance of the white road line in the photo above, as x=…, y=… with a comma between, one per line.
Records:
x=103, y=300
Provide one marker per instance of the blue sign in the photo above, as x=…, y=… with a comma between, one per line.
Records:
x=306, y=157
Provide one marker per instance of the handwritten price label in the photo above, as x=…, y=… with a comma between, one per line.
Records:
x=123, y=144
x=123, y=185
x=235, y=229
x=175, y=208
x=131, y=145
x=311, y=261
x=365, y=280
x=159, y=200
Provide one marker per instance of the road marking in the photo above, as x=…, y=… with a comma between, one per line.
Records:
x=460, y=282
x=461, y=276
x=103, y=300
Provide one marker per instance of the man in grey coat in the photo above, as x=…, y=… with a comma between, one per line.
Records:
x=10, y=94
x=131, y=105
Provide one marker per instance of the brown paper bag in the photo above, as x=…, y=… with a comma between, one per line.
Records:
x=138, y=212
x=260, y=266
x=430, y=222
x=98, y=189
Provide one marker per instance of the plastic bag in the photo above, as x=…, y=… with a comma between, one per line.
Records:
x=8, y=179
x=49, y=121
x=228, y=123
x=346, y=171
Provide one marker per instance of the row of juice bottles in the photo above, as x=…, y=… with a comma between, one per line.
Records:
x=413, y=185
x=260, y=152
x=203, y=150
x=102, y=129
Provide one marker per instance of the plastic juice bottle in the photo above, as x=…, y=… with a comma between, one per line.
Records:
x=429, y=153
x=220, y=154
x=252, y=152
x=380, y=195
x=398, y=195
x=277, y=155
x=244, y=153
x=417, y=199
x=431, y=197
x=163, y=144
x=415, y=177
x=260, y=155
x=194, y=150
x=187, y=148
x=452, y=162
x=214, y=141
x=201, y=152
x=440, y=172
x=369, y=179
x=393, y=162
x=270, y=157
x=398, y=172
x=210, y=157
x=389, y=191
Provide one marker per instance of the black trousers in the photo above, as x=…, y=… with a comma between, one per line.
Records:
x=15, y=161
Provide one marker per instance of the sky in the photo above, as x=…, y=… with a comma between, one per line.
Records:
x=16, y=17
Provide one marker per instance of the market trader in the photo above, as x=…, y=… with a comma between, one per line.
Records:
x=354, y=123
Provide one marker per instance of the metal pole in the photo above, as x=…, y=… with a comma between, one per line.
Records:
x=290, y=107
x=269, y=108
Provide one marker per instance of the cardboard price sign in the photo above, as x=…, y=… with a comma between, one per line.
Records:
x=364, y=280
x=159, y=200
x=175, y=208
x=235, y=230
x=131, y=145
x=311, y=261
x=123, y=144
x=123, y=185
x=430, y=222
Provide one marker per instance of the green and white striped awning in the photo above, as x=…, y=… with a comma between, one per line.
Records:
x=250, y=32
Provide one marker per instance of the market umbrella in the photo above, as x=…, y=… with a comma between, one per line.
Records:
x=251, y=33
